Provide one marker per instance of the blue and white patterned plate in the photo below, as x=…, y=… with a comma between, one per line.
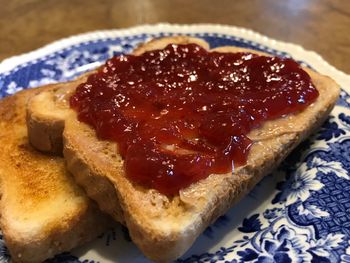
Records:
x=300, y=213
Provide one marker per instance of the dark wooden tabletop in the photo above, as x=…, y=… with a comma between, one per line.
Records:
x=319, y=25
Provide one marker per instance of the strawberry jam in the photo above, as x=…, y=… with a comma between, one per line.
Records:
x=182, y=113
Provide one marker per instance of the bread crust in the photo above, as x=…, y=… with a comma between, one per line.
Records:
x=170, y=225
x=45, y=121
x=43, y=211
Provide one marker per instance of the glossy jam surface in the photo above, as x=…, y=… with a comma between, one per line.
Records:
x=183, y=113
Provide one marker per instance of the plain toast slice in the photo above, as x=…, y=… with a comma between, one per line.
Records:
x=165, y=227
x=43, y=211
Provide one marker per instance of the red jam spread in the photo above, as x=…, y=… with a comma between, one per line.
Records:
x=182, y=113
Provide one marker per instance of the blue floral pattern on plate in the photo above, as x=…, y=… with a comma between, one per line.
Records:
x=300, y=213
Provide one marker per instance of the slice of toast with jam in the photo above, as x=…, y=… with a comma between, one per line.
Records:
x=203, y=173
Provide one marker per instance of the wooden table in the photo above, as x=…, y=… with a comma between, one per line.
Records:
x=319, y=25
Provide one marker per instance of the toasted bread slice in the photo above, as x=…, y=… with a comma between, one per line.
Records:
x=43, y=210
x=165, y=227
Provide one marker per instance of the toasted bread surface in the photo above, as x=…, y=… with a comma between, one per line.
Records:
x=46, y=113
x=43, y=210
x=171, y=224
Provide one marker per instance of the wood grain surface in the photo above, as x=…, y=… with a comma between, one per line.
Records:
x=319, y=25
